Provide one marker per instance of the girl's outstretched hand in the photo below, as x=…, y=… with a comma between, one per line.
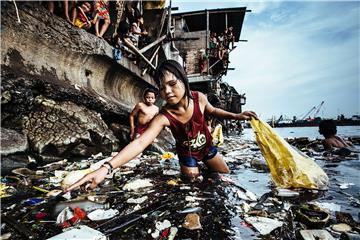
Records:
x=90, y=180
x=246, y=115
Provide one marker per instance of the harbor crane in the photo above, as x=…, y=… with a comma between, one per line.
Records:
x=316, y=109
x=308, y=113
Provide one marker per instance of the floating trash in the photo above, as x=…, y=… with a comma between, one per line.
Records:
x=173, y=182
x=329, y=206
x=86, y=205
x=247, y=195
x=101, y=214
x=312, y=216
x=80, y=232
x=133, y=163
x=341, y=227
x=137, y=200
x=170, y=172
x=162, y=225
x=73, y=177
x=64, y=215
x=282, y=192
x=346, y=185
x=167, y=155
x=54, y=193
x=34, y=201
x=3, y=190
x=316, y=234
x=263, y=225
x=137, y=184
x=173, y=231
x=192, y=222
x=191, y=210
x=98, y=198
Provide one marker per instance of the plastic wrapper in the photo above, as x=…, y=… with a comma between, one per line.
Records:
x=217, y=135
x=289, y=167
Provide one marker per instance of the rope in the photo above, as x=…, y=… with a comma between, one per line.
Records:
x=17, y=12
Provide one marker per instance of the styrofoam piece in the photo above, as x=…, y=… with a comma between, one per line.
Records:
x=263, y=225
x=82, y=232
x=101, y=214
x=316, y=234
x=136, y=184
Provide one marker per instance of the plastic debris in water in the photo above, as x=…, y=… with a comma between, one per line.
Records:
x=87, y=205
x=159, y=227
x=192, y=222
x=193, y=199
x=167, y=155
x=170, y=172
x=137, y=184
x=3, y=190
x=316, y=234
x=341, y=227
x=282, y=192
x=329, y=206
x=247, y=196
x=173, y=182
x=33, y=201
x=244, y=207
x=133, y=163
x=173, y=231
x=137, y=200
x=346, y=185
x=24, y=172
x=101, y=214
x=73, y=177
x=80, y=232
x=263, y=225
x=163, y=225
x=97, y=198
x=191, y=210
x=54, y=193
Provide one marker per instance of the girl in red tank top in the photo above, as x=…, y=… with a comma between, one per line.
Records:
x=193, y=139
x=184, y=115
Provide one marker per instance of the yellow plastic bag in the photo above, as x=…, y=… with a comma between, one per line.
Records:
x=289, y=168
x=217, y=135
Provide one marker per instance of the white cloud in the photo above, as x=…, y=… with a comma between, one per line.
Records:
x=288, y=68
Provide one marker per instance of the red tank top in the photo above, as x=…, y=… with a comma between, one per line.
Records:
x=193, y=138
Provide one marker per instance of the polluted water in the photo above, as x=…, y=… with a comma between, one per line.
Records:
x=150, y=200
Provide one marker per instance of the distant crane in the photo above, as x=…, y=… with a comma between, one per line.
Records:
x=318, y=109
x=308, y=113
x=279, y=119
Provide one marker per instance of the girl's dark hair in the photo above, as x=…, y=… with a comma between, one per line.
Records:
x=327, y=128
x=175, y=68
x=149, y=90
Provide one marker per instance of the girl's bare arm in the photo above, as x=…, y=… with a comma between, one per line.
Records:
x=220, y=113
x=138, y=145
x=126, y=154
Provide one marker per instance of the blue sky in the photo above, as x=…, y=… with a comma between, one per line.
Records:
x=298, y=54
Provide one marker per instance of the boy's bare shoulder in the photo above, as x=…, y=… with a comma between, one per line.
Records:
x=141, y=104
